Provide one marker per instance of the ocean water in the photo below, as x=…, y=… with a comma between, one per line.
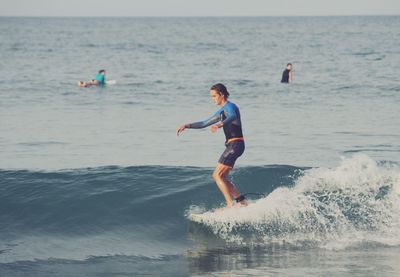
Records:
x=95, y=182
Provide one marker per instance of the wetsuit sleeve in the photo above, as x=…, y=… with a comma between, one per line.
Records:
x=209, y=121
x=230, y=115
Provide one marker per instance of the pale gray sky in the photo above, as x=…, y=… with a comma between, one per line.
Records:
x=197, y=7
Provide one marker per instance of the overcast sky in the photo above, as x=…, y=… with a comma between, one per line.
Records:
x=197, y=7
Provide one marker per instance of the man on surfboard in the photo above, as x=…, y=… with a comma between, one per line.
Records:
x=228, y=118
x=99, y=80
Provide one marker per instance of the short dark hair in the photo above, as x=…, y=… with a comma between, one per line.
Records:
x=288, y=64
x=221, y=89
x=102, y=70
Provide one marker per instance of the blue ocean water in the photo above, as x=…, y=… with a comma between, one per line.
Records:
x=95, y=182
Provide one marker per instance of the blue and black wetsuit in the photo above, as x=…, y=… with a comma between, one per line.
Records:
x=229, y=116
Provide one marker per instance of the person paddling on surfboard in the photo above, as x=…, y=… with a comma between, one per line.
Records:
x=228, y=118
x=99, y=80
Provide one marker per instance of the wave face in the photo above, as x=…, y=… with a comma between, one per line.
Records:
x=356, y=203
x=137, y=211
x=140, y=211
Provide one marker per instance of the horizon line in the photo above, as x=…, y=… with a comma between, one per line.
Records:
x=192, y=16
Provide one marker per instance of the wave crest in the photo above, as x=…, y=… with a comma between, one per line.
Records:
x=356, y=202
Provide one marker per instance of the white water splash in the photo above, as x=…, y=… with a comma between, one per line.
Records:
x=358, y=202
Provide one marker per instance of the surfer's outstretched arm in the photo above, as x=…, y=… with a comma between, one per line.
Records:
x=200, y=124
x=205, y=123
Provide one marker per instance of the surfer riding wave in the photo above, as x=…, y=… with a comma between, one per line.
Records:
x=228, y=118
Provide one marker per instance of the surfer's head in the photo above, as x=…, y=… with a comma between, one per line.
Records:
x=102, y=71
x=219, y=93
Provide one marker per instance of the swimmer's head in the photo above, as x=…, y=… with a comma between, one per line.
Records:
x=219, y=94
x=289, y=66
x=221, y=90
x=102, y=71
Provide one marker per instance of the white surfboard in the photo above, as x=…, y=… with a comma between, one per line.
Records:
x=220, y=214
x=86, y=84
x=111, y=82
x=199, y=218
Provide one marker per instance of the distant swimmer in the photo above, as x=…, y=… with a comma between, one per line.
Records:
x=228, y=118
x=287, y=74
x=99, y=80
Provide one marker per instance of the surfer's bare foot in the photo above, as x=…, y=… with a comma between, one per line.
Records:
x=242, y=203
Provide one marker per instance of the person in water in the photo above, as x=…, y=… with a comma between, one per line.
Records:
x=287, y=74
x=99, y=80
x=228, y=118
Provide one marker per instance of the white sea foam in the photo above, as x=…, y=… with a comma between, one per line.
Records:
x=355, y=203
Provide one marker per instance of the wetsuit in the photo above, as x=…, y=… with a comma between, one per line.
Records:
x=229, y=116
x=285, y=76
x=100, y=79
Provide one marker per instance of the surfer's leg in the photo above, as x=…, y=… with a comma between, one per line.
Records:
x=232, y=189
x=225, y=164
x=84, y=84
x=240, y=199
x=227, y=188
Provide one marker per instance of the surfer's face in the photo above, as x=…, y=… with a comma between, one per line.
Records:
x=217, y=97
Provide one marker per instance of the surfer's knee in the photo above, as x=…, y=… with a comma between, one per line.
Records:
x=218, y=174
x=214, y=175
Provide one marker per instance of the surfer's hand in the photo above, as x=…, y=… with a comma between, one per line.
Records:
x=180, y=129
x=215, y=127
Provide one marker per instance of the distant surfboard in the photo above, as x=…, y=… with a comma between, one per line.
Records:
x=84, y=84
x=111, y=82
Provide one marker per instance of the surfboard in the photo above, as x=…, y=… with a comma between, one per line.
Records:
x=199, y=218
x=210, y=215
x=111, y=82
x=84, y=84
